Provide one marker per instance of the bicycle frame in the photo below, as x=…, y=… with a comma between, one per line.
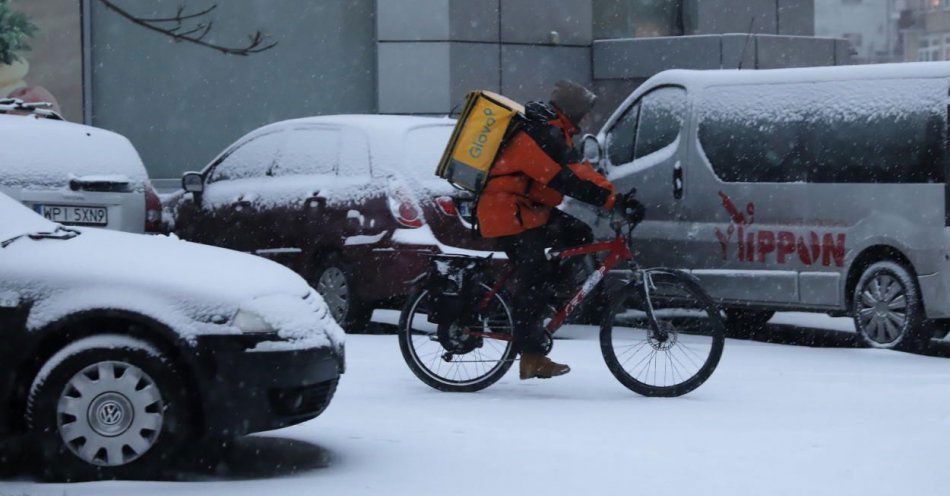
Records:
x=617, y=252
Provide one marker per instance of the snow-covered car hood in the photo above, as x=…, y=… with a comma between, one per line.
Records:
x=192, y=288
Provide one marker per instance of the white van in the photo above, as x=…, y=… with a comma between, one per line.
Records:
x=74, y=174
x=818, y=189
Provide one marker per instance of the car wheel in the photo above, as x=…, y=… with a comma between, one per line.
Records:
x=887, y=309
x=107, y=407
x=744, y=323
x=335, y=281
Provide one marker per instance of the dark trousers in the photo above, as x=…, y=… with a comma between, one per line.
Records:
x=536, y=278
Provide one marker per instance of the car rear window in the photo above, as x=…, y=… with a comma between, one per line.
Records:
x=874, y=131
x=424, y=147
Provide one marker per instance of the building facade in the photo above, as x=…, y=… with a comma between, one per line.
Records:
x=925, y=28
x=871, y=26
x=180, y=103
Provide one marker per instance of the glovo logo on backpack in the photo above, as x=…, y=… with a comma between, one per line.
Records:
x=478, y=136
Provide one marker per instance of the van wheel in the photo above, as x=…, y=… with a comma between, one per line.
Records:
x=743, y=323
x=887, y=309
x=336, y=282
x=107, y=407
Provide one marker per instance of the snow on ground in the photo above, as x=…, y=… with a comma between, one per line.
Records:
x=774, y=419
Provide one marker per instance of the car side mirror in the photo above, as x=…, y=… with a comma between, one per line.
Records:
x=591, y=149
x=192, y=182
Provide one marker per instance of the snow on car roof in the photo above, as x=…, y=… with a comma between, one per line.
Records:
x=42, y=153
x=409, y=146
x=16, y=220
x=689, y=77
x=840, y=76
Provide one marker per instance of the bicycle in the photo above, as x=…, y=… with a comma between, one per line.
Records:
x=455, y=331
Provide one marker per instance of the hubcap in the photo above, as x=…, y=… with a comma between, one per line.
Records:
x=110, y=413
x=882, y=309
x=332, y=286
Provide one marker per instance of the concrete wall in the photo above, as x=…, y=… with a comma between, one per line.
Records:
x=180, y=104
x=432, y=52
x=786, y=17
x=636, y=58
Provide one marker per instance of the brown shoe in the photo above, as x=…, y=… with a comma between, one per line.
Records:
x=540, y=366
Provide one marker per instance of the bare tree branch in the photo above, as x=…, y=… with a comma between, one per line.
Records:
x=193, y=33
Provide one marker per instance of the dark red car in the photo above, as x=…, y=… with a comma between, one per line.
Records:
x=349, y=202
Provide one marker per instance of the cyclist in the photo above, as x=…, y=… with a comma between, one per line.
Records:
x=536, y=169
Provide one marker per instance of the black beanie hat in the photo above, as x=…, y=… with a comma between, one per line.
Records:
x=574, y=100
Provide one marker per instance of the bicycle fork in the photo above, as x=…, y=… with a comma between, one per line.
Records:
x=646, y=280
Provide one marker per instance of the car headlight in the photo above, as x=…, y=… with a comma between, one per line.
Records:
x=250, y=322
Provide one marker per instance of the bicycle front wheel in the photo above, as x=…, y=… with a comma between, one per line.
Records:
x=680, y=354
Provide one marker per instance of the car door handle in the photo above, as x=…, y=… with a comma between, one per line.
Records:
x=677, y=180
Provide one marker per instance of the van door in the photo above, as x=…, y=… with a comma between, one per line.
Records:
x=644, y=150
x=748, y=179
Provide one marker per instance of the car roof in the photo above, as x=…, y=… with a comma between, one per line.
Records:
x=700, y=78
x=383, y=132
x=693, y=79
x=379, y=125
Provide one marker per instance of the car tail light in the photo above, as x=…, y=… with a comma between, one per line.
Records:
x=404, y=209
x=153, y=210
x=447, y=205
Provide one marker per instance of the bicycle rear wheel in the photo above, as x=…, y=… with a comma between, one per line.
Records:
x=678, y=358
x=472, y=363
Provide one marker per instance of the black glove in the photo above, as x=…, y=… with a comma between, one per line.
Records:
x=631, y=209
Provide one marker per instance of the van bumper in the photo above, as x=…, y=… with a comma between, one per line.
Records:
x=247, y=391
x=933, y=290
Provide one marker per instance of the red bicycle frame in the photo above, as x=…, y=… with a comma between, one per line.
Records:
x=618, y=252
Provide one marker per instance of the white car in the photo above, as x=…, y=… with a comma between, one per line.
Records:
x=74, y=174
x=117, y=348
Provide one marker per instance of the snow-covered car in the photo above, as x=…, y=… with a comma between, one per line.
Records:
x=350, y=202
x=74, y=174
x=119, y=348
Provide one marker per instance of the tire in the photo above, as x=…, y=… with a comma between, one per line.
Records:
x=887, y=309
x=335, y=280
x=678, y=301
x=411, y=317
x=108, y=407
x=743, y=323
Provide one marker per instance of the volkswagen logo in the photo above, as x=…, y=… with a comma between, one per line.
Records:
x=110, y=413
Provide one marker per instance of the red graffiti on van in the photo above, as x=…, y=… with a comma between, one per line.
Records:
x=764, y=245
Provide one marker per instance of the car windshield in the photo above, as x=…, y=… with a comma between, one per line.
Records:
x=17, y=220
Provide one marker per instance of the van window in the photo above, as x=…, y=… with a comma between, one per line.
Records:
x=314, y=150
x=621, y=135
x=880, y=131
x=252, y=158
x=661, y=118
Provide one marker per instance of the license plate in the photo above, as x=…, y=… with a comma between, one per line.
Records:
x=464, y=208
x=69, y=214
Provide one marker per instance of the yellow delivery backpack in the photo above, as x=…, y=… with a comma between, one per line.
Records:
x=481, y=130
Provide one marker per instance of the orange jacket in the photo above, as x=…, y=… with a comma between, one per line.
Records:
x=516, y=197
